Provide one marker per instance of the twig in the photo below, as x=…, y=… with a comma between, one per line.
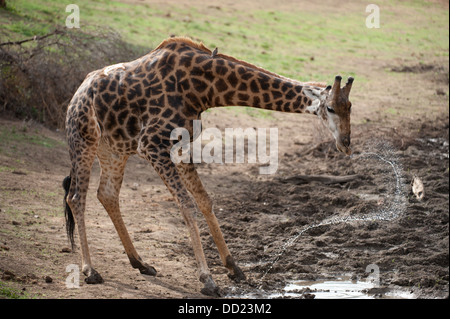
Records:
x=325, y=179
x=313, y=148
x=35, y=38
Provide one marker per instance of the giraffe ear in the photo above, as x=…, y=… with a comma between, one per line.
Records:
x=312, y=92
x=315, y=95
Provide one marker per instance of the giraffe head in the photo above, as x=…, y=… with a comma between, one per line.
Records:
x=334, y=108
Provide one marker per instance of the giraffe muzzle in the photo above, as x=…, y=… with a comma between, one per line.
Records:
x=343, y=145
x=346, y=141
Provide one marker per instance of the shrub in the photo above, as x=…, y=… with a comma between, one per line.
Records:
x=39, y=76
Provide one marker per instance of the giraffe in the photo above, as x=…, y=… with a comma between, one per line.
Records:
x=131, y=108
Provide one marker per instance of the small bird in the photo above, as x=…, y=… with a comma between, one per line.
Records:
x=214, y=53
x=417, y=188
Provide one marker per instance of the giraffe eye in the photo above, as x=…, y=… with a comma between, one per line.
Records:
x=329, y=109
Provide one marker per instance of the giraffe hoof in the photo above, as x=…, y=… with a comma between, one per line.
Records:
x=148, y=270
x=144, y=268
x=212, y=292
x=94, y=278
x=210, y=288
x=235, y=273
x=238, y=275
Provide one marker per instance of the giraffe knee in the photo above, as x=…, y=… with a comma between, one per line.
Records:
x=100, y=195
x=106, y=198
x=208, y=204
x=205, y=203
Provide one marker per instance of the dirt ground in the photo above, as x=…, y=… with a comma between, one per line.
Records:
x=258, y=214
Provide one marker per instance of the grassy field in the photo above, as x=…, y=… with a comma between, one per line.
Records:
x=305, y=42
x=287, y=41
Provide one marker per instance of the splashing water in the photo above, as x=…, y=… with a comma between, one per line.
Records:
x=390, y=212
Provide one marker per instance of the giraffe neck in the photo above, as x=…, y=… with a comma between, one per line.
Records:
x=245, y=86
x=208, y=79
x=220, y=80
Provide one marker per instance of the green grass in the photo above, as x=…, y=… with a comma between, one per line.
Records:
x=282, y=41
x=304, y=42
x=9, y=136
x=9, y=292
x=6, y=169
x=252, y=112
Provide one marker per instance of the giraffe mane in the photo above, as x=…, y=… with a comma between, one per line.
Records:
x=202, y=47
x=186, y=40
x=317, y=84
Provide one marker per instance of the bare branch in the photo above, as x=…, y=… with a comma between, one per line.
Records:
x=325, y=179
x=35, y=38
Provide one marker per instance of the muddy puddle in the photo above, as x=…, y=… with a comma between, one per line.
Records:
x=330, y=289
x=333, y=288
x=341, y=288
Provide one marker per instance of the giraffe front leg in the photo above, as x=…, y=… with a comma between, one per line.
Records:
x=205, y=277
x=166, y=169
x=187, y=208
x=195, y=186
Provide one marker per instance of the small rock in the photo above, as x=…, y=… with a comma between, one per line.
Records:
x=22, y=279
x=8, y=275
x=135, y=186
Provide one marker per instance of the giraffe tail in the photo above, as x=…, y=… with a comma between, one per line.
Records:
x=70, y=222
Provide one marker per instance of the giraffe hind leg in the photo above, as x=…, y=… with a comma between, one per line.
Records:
x=111, y=177
x=83, y=134
x=160, y=160
x=76, y=204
